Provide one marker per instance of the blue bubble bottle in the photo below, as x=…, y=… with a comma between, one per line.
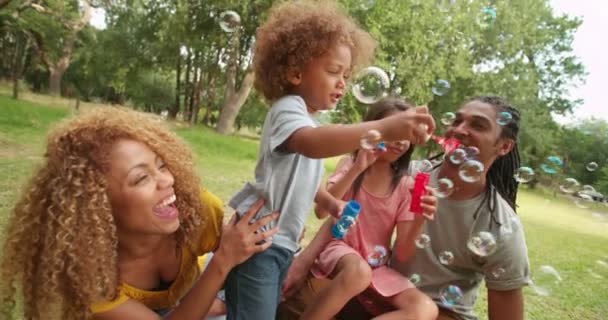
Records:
x=348, y=217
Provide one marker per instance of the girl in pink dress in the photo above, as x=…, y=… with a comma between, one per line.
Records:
x=378, y=181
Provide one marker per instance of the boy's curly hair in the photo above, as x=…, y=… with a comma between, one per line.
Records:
x=299, y=31
x=60, y=249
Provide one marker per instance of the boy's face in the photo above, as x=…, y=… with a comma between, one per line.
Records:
x=322, y=83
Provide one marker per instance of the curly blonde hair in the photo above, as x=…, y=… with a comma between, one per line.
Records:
x=298, y=32
x=60, y=250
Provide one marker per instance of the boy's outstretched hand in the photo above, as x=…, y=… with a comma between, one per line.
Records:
x=415, y=125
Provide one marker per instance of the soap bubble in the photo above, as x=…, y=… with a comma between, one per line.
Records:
x=229, y=21
x=450, y=295
x=482, y=244
x=441, y=87
x=471, y=171
x=370, y=139
x=448, y=118
x=498, y=272
x=472, y=152
x=504, y=118
x=444, y=188
x=458, y=157
x=366, y=4
x=446, y=258
x=569, y=186
x=552, y=165
x=486, y=18
x=592, y=166
x=584, y=200
x=415, y=279
x=423, y=241
x=545, y=280
x=588, y=189
x=524, y=175
x=378, y=256
x=371, y=85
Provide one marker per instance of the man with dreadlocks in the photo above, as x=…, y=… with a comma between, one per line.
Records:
x=487, y=205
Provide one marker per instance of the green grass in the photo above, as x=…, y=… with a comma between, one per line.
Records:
x=557, y=232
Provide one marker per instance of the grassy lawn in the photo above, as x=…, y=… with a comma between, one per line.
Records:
x=558, y=233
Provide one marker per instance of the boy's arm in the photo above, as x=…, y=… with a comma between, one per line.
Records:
x=334, y=140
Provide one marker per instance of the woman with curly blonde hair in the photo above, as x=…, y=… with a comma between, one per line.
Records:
x=114, y=225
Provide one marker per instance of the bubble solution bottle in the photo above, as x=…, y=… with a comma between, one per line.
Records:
x=420, y=183
x=347, y=219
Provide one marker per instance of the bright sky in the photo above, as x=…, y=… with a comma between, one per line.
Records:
x=590, y=45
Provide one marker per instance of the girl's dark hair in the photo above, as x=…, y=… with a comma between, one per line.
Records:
x=377, y=111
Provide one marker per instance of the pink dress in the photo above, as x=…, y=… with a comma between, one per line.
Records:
x=370, y=236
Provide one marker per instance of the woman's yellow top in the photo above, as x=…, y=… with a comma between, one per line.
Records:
x=191, y=266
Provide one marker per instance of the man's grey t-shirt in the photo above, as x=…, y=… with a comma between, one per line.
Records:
x=287, y=180
x=455, y=222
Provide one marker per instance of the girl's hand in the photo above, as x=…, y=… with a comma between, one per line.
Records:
x=365, y=158
x=240, y=240
x=429, y=206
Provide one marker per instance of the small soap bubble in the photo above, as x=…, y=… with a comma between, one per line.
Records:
x=498, y=272
x=371, y=85
x=366, y=4
x=415, y=279
x=472, y=152
x=446, y=258
x=444, y=188
x=448, y=118
x=458, y=157
x=486, y=17
x=569, y=186
x=471, y=171
x=524, y=175
x=229, y=21
x=423, y=241
x=545, y=280
x=592, y=166
x=482, y=244
x=370, y=139
x=583, y=200
x=378, y=256
x=588, y=188
x=441, y=87
x=450, y=295
x=552, y=165
x=504, y=118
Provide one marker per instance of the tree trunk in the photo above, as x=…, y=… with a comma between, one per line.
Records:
x=187, y=86
x=210, y=97
x=21, y=47
x=178, y=74
x=233, y=105
x=55, y=76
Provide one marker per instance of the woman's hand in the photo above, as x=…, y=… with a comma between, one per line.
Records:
x=240, y=240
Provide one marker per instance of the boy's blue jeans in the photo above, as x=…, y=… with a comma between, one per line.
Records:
x=253, y=288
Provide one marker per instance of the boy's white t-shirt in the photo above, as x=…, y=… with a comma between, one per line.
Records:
x=287, y=180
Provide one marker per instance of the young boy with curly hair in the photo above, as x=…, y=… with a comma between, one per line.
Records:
x=304, y=55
